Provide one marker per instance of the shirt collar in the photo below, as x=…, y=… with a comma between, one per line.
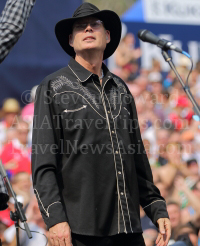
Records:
x=79, y=71
x=83, y=74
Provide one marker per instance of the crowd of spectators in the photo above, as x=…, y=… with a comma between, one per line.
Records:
x=170, y=135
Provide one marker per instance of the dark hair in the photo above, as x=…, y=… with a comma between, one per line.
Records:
x=191, y=161
x=172, y=202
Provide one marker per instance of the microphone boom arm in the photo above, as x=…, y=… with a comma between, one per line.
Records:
x=168, y=59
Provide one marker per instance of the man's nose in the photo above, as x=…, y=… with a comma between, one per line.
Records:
x=88, y=28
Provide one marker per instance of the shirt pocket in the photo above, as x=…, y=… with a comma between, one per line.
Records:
x=68, y=110
x=74, y=117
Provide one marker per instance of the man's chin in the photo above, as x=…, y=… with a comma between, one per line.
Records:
x=88, y=49
x=90, y=46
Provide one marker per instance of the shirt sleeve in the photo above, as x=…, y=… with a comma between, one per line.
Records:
x=12, y=23
x=151, y=201
x=46, y=158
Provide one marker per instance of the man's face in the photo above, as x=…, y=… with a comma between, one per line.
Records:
x=156, y=88
x=23, y=182
x=22, y=132
x=93, y=37
x=174, y=215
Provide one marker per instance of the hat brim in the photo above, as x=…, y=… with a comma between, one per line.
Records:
x=111, y=22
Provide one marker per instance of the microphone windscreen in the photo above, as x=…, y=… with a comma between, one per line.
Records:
x=141, y=34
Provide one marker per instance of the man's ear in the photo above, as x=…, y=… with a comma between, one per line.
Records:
x=71, y=40
x=107, y=36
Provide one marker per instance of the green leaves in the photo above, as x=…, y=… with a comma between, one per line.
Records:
x=119, y=6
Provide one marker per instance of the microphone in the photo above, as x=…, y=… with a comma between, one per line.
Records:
x=149, y=37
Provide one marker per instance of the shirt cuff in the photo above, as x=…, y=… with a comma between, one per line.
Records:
x=156, y=210
x=56, y=214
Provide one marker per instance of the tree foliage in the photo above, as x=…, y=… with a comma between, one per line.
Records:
x=119, y=6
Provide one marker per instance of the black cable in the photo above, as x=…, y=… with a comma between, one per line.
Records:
x=38, y=233
x=189, y=71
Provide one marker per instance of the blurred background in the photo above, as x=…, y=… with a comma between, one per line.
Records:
x=170, y=135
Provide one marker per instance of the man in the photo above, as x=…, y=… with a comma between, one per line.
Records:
x=12, y=23
x=10, y=110
x=90, y=171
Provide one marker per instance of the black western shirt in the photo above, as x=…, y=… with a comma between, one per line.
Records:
x=89, y=165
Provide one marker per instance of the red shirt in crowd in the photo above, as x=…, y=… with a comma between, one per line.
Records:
x=18, y=155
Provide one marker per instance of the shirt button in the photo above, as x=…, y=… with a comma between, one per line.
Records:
x=122, y=193
x=109, y=112
x=113, y=132
x=116, y=152
x=119, y=172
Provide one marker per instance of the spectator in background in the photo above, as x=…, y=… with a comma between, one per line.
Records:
x=126, y=51
x=193, y=167
x=163, y=190
x=11, y=110
x=126, y=57
x=16, y=154
x=175, y=166
x=111, y=61
x=21, y=183
x=185, y=221
x=187, y=139
x=162, y=137
x=174, y=212
x=189, y=201
x=155, y=84
x=142, y=82
x=175, y=137
x=149, y=151
x=156, y=66
x=187, y=235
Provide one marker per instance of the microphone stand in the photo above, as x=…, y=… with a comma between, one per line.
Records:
x=19, y=213
x=185, y=88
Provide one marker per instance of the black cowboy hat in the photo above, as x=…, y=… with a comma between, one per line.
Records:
x=110, y=19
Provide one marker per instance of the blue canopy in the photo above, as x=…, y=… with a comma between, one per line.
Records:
x=135, y=13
